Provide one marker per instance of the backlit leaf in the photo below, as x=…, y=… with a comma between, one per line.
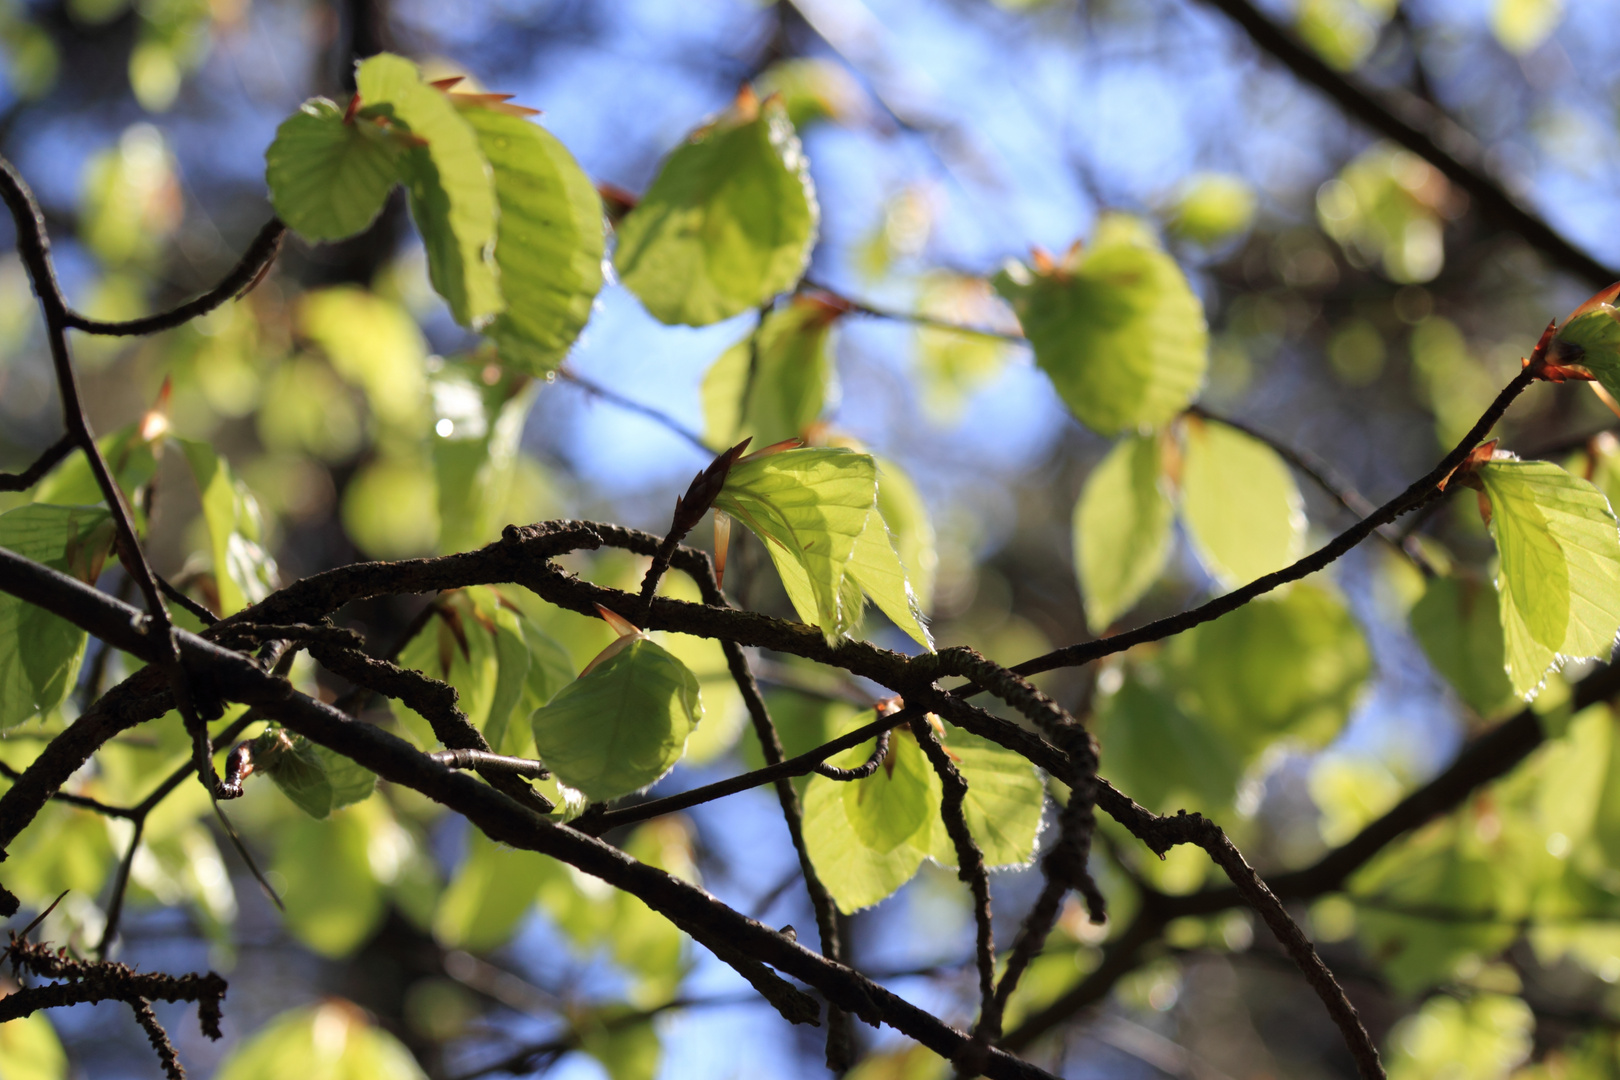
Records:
x=1116, y=327
x=1005, y=798
x=550, y=240
x=856, y=874
x=40, y=652
x=244, y=572
x=329, y=1041
x=727, y=224
x=1459, y=626
x=891, y=807
x=810, y=507
x=329, y=179
x=911, y=529
x=451, y=187
x=1121, y=530
x=1559, y=582
x=1240, y=503
x=623, y=725
x=1211, y=208
x=773, y=384
x=875, y=566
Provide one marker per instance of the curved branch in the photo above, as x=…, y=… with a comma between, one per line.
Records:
x=22, y=481
x=249, y=269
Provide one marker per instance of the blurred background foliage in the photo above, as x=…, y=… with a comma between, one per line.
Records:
x=1358, y=309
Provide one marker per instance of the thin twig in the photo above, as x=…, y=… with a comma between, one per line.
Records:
x=247, y=272
x=970, y=869
x=22, y=481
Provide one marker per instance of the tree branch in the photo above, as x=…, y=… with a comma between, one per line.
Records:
x=22, y=481
x=248, y=271
x=1438, y=141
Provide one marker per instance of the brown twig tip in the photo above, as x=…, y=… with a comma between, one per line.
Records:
x=705, y=486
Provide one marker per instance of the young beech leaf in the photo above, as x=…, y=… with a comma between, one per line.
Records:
x=867, y=837
x=858, y=874
x=893, y=805
x=329, y=178
x=1116, y=327
x=1289, y=664
x=906, y=515
x=451, y=187
x=1121, y=530
x=550, y=240
x=244, y=572
x=316, y=779
x=1458, y=624
x=40, y=652
x=772, y=385
x=1240, y=504
x=1559, y=582
x=728, y=222
x=1004, y=801
x=875, y=566
x=621, y=725
x=469, y=644
x=329, y=1041
x=810, y=507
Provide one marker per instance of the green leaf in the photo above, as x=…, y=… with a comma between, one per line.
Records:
x=1458, y=625
x=1480, y=1038
x=332, y=895
x=497, y=661
x=1121, y=530
x=128, y=455
x=1116, y=328
x=329, y=1041
x=856, y=874
x=31, y=1050
x=477, y=457
x=810, y=507
x=329, y=179
x=451, y=187
x=317, y=780
x=62, y=848
x=621, y=726
x=375, y=345
x=487, y=899
x=1591, y=341
x=1559, y=582
x=892, y=806
x=772, y=385
x=1240, y=504
x=40, y=653
x=727, y=224
x=1282, y=665
x=906, y=514
x=550, y=240
x=1005, y=798
x=1165, y=758
x=875, y=566
x=244, y=573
